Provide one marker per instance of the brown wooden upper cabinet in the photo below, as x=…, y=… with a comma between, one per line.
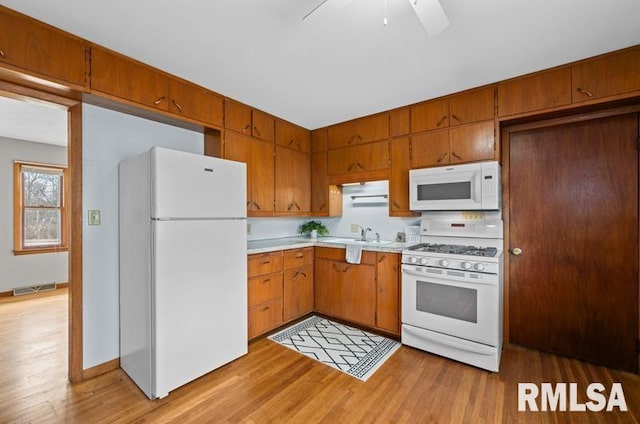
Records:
x=194, y=102
x=536, y=92
x=610, y=75
x=116, y=75
x=466, y=143
x=42, y=50
x=363, y=130
x=293, y=182
x=430, y=115
x=119, y=76
x=467, y=107
x=319, y=140
x=259, y=157
x=400, y=122
x=359, y=159
x=242, y=118
x=292, y=136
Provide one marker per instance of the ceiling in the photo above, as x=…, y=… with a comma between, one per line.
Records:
x=33, y=121
x=349, y=64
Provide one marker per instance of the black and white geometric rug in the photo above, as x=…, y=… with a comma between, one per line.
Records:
x=345, y=348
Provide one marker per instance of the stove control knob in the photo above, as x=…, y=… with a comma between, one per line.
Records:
x=479, y=267
x=423, y=261
x=466, y=265
x=413, y=259
x=444, y=262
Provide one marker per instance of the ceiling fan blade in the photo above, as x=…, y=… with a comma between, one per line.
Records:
x=431, y=15
x=325, y=9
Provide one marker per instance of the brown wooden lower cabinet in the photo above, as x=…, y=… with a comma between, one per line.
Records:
x=287, y=285
x=365, y=293
x=265, y=317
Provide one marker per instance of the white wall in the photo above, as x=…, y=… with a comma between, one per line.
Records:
x=374, y=216
x=25, y=270
x=108, y=137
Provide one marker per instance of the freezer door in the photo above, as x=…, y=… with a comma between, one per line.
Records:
x=200, y=291
x=187, y=185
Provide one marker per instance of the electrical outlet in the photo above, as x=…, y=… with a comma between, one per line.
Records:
x=94, y=217
x=355, y=228
x=248, y=228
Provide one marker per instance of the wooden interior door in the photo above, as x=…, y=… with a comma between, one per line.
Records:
x=573, y=208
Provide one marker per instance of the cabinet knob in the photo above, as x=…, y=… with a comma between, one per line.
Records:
x=2, y=54
x=441, y=121
x=442, y=156
x=157, y=101
x=456, y=156
x=456, y=118
x=516, y=251
x=257, y=206
x=257, y=131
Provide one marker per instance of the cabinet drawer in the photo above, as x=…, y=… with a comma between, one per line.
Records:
x=264, y=288
x=265, y=263
x=336, y=254
x=265, y=317
x=298, y=257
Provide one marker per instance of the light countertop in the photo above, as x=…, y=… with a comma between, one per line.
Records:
x=284, y=243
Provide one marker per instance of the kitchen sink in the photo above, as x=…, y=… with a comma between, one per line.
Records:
x=350, y=240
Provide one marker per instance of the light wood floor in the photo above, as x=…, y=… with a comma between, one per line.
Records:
x=275, y=385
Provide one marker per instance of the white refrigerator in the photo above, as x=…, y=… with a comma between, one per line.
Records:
x=183, y=267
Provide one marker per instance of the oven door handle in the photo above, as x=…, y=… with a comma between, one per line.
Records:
x=409, y=271
x=474, y=348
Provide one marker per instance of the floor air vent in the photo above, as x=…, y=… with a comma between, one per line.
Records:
x=34, y=289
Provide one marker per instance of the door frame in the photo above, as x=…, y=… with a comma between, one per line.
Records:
x=74, y=214
x=505, y=136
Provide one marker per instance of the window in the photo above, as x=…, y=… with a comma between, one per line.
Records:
x=39, y=213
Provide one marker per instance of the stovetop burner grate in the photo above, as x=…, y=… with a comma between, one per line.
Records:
x=455, y=249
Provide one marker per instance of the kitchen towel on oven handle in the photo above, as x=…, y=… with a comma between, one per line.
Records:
x=353, y=253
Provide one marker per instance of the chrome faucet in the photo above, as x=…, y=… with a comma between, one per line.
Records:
x=378, y=237
x=363, y=232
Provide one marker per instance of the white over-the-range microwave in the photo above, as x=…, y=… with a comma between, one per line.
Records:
x=473, y=186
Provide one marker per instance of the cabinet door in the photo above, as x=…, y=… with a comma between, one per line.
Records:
x=238, y=147
x=388, y=299
x=292, y=136
x=341, y=135
x=319, y=184
x=298, y=292
x=319, y=140
x=371, y=156
x=429, y=149
x=265, y=288
x=537, y=92
x=473, y=142
x=611, y=75
x=400, y=122
x=371, y=128
x=265, y=317
x=262, y=174
x=263, y=126
x=473, y=106
x=237, y=116
x=195, y=102
x=430, y=115
x=399, y=177
x=341, y=161
x=130, y=80
x=293, y=175
x=358, y=292
x=328, y=287
x=42, y=49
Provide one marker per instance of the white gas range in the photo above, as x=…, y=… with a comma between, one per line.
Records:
x=452, y=288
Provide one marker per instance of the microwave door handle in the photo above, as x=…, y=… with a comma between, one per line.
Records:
x=478, y=187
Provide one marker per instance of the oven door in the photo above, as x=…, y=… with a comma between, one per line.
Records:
x=457, y=303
